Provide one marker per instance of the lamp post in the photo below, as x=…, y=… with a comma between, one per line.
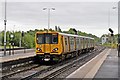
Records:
x=48, y=15
x=5, y=30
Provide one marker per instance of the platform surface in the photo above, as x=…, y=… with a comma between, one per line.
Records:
x=109, y=68
x=11, y=52
x=104, y=65
x=17, y=56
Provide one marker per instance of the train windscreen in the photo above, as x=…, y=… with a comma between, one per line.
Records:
x=40, y=38
x=47, y=38
x=54, y=38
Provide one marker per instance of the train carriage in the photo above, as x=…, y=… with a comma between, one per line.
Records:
x=54, y=45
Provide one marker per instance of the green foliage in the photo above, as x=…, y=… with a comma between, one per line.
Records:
x=1, y=39
x=29, y=40
x=29, y=37
x=70, y=31
x=16, y=39
x=114, y=45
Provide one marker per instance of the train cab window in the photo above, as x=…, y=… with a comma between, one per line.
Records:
x=40, y=38
x=48, y=38
x=54, y=39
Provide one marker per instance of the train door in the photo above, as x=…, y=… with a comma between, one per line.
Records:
x=68, y=43
x=66, y=48
x=62, y=43
x=81, y=41
x=75, y=43
x=87, y=43
x=72, y=45
x=47, y=45
x=79, y=46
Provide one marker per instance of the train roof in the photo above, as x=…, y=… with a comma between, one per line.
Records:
x=74, y=35
x=64, y=34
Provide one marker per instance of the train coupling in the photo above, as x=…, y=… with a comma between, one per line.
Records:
x=47, y=57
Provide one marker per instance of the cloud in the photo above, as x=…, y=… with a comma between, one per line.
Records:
x=85, y=16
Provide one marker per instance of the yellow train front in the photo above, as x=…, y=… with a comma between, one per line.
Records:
x=48, y=45
x=53, y=45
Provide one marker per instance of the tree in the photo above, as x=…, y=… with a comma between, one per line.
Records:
x=55, y=28
x=59, y=30
x=29, y=41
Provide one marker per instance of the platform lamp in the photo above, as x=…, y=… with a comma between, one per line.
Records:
x=48, y=15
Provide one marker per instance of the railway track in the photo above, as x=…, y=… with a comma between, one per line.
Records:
x=27, y=71
x=48, y=71
x=18, y=70
x=54, y=74
x=7, y=66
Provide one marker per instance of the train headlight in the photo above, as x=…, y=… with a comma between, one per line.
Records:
x=39, y=49
x=55, y=49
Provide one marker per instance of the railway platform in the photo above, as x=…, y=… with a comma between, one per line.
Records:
x=103, y=66
x=13, y=52
x=19, y=54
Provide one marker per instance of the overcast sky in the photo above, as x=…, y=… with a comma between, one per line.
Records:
x=89, y=17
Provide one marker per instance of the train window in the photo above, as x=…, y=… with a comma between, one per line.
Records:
x=86, y=41
x=40, y=38
x=71, y=41
x=47, y=38
x=77, y=40
x=54, y=39
x=81, y=41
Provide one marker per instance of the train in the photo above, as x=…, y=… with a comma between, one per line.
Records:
x=53, y=45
